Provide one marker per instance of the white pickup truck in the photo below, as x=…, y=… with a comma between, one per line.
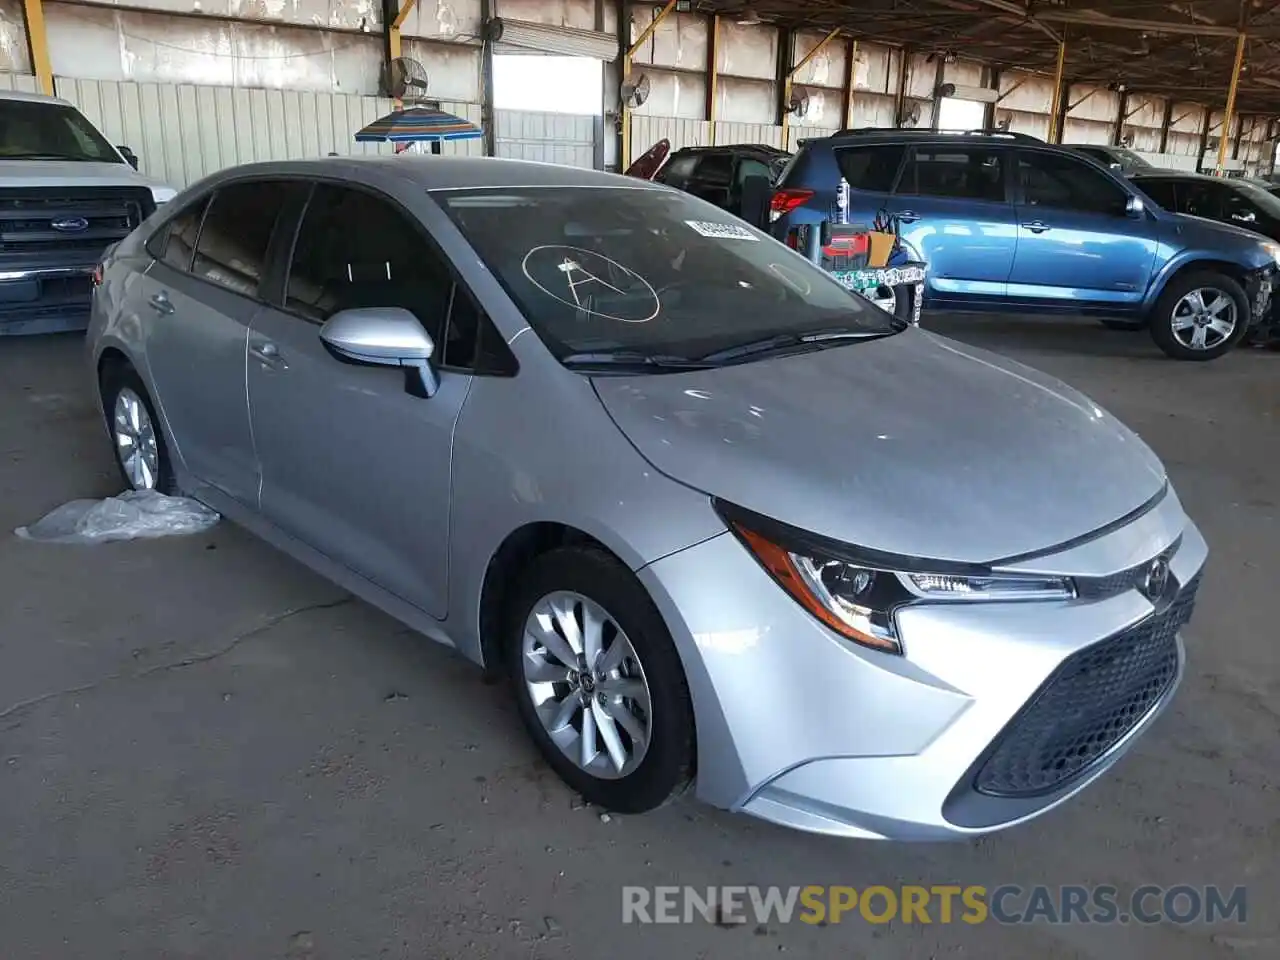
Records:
x=66, y=194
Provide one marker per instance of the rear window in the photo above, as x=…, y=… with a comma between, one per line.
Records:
x=872, y=168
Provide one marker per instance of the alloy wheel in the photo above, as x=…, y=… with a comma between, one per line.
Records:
x=1204, y=318
x=884, y=297
x=586, y=684
x=136, y=442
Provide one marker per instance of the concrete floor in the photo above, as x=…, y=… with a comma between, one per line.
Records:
x=206, y=751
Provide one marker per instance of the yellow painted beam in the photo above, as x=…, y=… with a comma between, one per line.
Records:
x=38, y=44
x=791, y=74
x=625, y=160
x=403, y=15
x=1231, y=105
x=1054, y=132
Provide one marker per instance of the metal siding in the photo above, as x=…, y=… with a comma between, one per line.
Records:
x=796, y=134
x=19, y=81
x=766, y=133
x=548, y=137
x=646, y=131
x=182, y=132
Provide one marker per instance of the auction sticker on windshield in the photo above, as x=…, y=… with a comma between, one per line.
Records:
x=722, y=231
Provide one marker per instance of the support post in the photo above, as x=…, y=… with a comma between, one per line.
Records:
x=488, y=120
x=627, y=58
x=939, y=75
x=989, y=111
x=713, y=75
x=1057, y=119
x=1165, y=124
x=900, y=101
x=1121, y=116
x=1231, y=104
x=1235, y=150
x=846, y=93
x=789, y=39
x=38, y=44
x=1204, y=138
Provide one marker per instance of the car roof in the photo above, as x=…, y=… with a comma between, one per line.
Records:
x=860, y=135
x=438, y=172
x=737, y=148
x=27, y=97
x=1175, y=175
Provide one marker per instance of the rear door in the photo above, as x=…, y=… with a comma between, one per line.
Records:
x=352, y=464
x=953, y=207
x=712, y=179
x=1077, y=244
x=201, y=295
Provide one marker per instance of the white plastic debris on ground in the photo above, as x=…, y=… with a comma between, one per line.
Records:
x=132, y=515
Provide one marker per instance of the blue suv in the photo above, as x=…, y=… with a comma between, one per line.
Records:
x=1008, y=222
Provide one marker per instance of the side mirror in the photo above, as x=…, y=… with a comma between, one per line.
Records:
x=1135, y=208
x=384, y=337
x=130, y=157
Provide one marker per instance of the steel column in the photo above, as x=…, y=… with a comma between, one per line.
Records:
x=38, y=44
x=1057, y=119
x=1231, y=104
x=713, y=75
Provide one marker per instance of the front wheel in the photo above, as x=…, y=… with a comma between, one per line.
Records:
x=598, y=682
x=1200, y=316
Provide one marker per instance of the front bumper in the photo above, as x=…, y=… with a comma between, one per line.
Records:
x=44, y=299
x=801, y=728
x=1260, y=287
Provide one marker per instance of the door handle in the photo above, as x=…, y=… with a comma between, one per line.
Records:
x=268, y=355
x=160, y=303
x=1037, y=226
x=908, y=216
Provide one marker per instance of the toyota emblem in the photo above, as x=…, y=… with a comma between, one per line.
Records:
x=1157, y=579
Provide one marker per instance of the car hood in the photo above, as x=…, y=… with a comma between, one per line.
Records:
x=913, y=444
x=73, y=173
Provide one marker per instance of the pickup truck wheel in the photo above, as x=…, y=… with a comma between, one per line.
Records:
x=1200, y=316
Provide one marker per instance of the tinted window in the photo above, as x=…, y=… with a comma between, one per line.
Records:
x=357, y=250
x=175, y=242
x=680, y=167
x=598, y=270
x=870, y=168
x=973, y=173
x=237, y=229
x=1060, y=181
x=1163, y=192
x=1200, y=199
x=747, y=167
x=36, y=130
x=715, y=168
x=1257, y=197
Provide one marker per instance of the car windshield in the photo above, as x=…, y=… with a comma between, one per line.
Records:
x=652, y=275
x=41, y=130
x=1263, y=199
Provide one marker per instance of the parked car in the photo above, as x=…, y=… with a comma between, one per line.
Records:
x=65, y=194
x=1116, y=158
x=715, y=174
x=717, y=517
x=1007, y=222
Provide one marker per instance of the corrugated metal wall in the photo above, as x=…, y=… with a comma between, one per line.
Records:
x=548, y=137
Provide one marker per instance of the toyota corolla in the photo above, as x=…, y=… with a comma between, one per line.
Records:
x=719, y=521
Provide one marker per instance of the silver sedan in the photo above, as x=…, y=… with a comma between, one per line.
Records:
x=719, y=521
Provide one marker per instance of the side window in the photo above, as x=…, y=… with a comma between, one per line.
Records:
x=748, y=167
x=357, y=250
x=1163, y=192
x=678, y=170
x=870, y=168
x=1200, y=200
x=237, y=229
x=1062, y=182
x=964, y=173
x=715, y=168
x=175, y=242
x=1238, y=208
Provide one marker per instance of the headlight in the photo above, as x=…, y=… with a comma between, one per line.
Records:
x=1273, y=251
x=858, y=598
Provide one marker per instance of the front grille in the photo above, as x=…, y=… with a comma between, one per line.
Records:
x=1087, y=706
x=92, y=218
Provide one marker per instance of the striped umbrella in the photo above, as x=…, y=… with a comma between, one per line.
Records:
x=417, y=124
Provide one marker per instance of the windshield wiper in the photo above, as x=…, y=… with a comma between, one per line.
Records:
x=632, y=358
x=791, y=341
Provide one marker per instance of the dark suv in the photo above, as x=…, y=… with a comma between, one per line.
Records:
x=718, y=174
x=1008, y=222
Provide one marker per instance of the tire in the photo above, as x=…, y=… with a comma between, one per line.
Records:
x=563, y=583
x=1112, y=323
x=125, y=395
x=1172, y=306
x=896, y=301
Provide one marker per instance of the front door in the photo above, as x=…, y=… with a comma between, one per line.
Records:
x=953, y=211
x=352, y=464
x=1077, y=242
x=199, y=298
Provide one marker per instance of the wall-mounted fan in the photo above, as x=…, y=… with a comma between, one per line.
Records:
x=798, y=106
x=405, y=79
x=635, y=90
x=910, y=115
